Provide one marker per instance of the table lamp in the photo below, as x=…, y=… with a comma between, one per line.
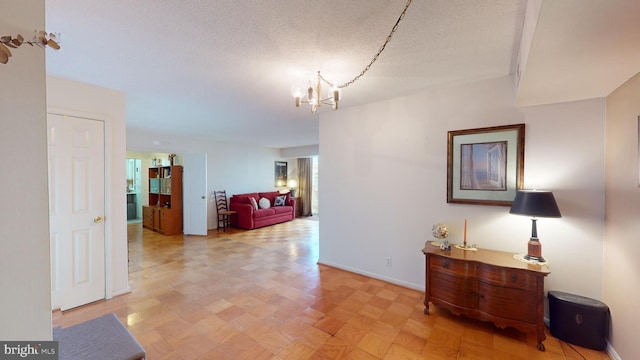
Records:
x=292, y=184
x=535, y=203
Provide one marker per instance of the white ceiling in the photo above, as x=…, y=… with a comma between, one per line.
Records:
x=222, y=69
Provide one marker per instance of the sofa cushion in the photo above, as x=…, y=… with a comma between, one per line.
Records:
x=264, y=203
x=253, y=202
x=280, y=200
x=243, y=198
x=270, y=195
x=283, y=209
x=239, y=200
x=263, y=212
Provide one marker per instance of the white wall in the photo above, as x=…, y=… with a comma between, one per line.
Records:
x=79, y=99
x=383, y=175
x=236, y=168
x=300, y=151
x=25, y=277
x=621, y=254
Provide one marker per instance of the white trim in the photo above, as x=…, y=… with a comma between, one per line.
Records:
x=612, y=352
x=108, y=231
x=373, y=275
x=124, y=291
x=108, y=228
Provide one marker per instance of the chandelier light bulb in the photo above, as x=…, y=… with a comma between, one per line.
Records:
x=297, y=90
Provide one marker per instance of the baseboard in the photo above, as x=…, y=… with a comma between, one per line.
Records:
x=373, y=275
x=612, y=352
x=124, y=291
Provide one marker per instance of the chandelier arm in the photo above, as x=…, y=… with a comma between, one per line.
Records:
x=375, y=57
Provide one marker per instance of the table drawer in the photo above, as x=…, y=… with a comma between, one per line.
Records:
x=456, y=290
x=508, y=303
x=451, y=266
x=507, y=277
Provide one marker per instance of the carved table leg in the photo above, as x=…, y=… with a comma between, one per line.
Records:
x=541, y=335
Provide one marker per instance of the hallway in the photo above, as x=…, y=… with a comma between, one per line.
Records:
x=261, y=295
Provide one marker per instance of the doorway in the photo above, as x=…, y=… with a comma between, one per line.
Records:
x=134, y=189
x=76, y=151
x=138, y=164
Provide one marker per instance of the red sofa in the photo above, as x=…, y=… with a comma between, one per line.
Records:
x=248, y=217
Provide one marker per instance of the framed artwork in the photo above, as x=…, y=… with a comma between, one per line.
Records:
x=281, y=173
x=485, y=166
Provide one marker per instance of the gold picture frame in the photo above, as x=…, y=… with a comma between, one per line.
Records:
x=485, y=166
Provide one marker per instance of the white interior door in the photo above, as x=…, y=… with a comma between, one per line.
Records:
x=76, y=210
x=194, y=191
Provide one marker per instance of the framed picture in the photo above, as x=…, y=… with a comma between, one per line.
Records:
x=485, y=166
x=281, y=173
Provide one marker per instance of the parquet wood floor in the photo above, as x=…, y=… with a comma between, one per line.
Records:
x=261, y=295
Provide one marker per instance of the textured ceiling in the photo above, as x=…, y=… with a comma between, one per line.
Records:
x=582, y=49
x=222, y=69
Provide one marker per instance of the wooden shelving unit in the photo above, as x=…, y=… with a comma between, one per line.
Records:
x=164, y=212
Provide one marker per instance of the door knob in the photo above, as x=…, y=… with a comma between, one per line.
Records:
x=204, y=197
x=97, y=219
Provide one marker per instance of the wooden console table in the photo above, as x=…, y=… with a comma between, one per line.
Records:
x=486, y=285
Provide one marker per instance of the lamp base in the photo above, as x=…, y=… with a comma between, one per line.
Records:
x=534, y=258
x=534, y=252
x=521, y=257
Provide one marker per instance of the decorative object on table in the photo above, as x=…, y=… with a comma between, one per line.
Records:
x=485, y=166
x=535, y=203
x=292, y=184
x=311, y=93
x=40, y=38
x=281, y=173
x=440, y=231
x=464, y=245
x=173, y=158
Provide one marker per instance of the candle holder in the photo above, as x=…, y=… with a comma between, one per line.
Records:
x=464, y=245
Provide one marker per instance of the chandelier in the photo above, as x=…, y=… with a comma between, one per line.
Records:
x=312, y=93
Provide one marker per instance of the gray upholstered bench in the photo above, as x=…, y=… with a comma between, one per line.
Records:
x=103, y=338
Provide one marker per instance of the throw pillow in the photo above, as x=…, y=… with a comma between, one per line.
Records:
x=253, y=203
x=264, y=203
x=280, y=200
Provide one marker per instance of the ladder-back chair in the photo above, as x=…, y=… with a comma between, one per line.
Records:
x=224, y=214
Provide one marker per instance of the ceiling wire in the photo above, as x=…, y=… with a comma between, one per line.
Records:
x=375, y=57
